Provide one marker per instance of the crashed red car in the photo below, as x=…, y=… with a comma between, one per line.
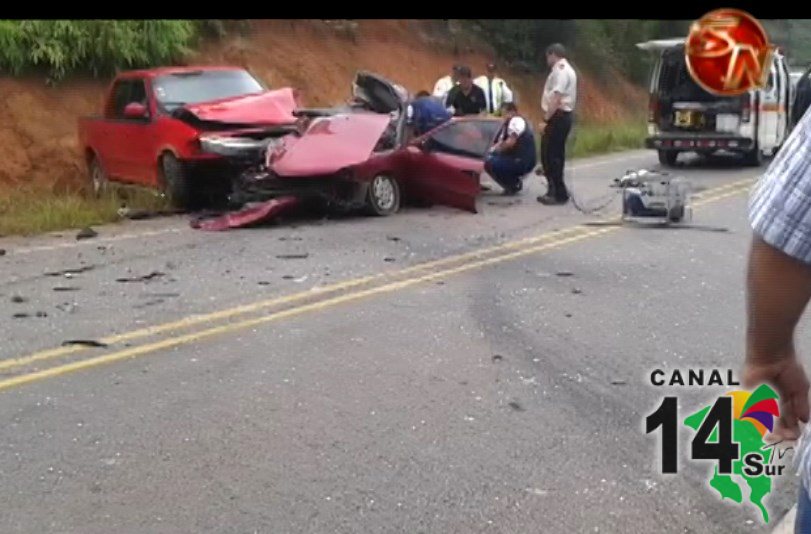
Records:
x=360, y=157
x=165, y=128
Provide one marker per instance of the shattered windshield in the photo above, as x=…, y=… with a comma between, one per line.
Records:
x=177, y=89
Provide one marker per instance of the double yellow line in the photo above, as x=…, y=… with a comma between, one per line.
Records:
x=19, y=372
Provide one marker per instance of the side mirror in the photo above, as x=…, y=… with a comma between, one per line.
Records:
x=135, y=110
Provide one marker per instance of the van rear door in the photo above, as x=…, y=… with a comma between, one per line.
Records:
x=769, y=111
x=680, y=104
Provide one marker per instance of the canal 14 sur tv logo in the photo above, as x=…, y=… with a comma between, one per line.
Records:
x=730, y=433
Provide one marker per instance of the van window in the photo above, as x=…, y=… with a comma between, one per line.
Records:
x=675, y=81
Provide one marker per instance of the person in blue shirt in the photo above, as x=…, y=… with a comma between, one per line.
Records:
x=514, y=153
x=425, y=113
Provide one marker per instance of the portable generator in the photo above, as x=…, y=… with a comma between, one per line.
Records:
x=654, y=196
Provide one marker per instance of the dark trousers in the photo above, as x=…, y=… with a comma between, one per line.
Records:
x=553, y=152
x=507, y=170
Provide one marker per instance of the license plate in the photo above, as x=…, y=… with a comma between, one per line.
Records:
x=685, y=118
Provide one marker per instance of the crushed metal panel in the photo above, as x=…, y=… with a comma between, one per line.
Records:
x=247, y=216
x=331, y=144
x=271, y=107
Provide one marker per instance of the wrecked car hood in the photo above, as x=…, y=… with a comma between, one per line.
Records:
x=272, y=107
x=330, y=144
x=380, y=94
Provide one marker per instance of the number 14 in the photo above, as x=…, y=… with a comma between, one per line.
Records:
x=723, y=449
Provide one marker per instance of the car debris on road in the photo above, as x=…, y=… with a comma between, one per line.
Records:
x=86, y=233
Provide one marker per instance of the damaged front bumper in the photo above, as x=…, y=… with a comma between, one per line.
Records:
x=258, y=197
x=239, y=149
x=332, y=192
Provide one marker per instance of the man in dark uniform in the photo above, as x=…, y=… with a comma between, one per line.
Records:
x=557, y=103
x=466, y=98
x=513, y=155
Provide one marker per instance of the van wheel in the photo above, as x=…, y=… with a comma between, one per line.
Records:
x=668, y=157
x=98, y=178
x=175, y=181
x=383, y=196
x=754, y=158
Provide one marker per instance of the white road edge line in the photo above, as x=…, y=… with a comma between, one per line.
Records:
x=71, y=244
x=786, y=525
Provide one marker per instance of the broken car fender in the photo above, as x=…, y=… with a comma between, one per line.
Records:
x=247, y=216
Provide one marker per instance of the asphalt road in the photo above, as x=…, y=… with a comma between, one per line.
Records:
x=434, y=371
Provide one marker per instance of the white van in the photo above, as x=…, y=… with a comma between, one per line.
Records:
x=683, y=117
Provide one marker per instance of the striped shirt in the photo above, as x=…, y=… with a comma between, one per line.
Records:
x=780, y=214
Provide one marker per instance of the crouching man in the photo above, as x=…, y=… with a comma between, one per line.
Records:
x=513, y=154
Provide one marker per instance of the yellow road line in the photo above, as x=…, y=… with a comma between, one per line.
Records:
x=195, y=336
x=269, y=303
x=578, y=232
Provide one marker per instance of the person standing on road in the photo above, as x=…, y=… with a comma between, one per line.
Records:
x=513, y=155
x=778, y=290
x=446, y=83
x=425, y=113
x=466, y=98
x=558, y=102
x=496, y=91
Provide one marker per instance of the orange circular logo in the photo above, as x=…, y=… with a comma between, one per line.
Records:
x=728, y=52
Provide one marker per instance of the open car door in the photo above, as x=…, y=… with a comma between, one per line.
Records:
x=445, y=163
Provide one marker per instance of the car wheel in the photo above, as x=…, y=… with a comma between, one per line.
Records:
x=668, y=157
x=98, y=178
x=383, y=196
x=676, y=214
x=754, y=158
x=175, y=181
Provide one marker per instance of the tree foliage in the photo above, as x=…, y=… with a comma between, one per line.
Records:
x=60, y=47
x=600, y=45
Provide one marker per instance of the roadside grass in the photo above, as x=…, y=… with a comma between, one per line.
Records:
x=36, y=209
x=596, y=139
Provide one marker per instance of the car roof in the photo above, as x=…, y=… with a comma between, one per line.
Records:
x=660, y=44
x=166, y=71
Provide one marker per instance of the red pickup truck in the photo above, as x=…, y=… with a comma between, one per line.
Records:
x=183, y=130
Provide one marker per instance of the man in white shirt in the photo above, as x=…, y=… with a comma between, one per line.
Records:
x=513, y=154
x=446, y=83
x=495, y=89
x=558, y=102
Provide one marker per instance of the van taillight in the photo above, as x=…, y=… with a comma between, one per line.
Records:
x=653, y=109
x=746, y=108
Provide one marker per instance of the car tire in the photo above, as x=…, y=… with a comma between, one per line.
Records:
x=175, y=182
x=676, y=214
x=754, y=158
x=383, y=196
x=668, y=157
x=99, y=183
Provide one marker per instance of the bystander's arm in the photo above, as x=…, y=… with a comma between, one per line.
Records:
x=778, y=290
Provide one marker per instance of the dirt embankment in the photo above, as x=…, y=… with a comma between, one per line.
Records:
x=38, y=123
